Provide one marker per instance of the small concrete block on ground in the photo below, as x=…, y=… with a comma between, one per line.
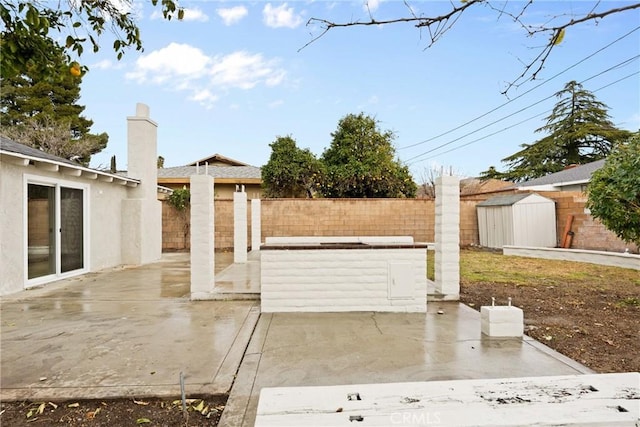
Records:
x=502, y=321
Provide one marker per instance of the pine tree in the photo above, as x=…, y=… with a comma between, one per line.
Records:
x=36, y=108
x=579, y=131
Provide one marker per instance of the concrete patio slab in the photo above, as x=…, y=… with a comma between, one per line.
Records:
x=123, y=332
x=323, y=349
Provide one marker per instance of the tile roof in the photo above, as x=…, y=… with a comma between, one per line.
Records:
x=578, y=173
x=9, y=145
x=238, y=172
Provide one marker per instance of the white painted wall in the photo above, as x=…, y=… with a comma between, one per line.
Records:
x=104, y=207
x=12, y=251
x=334, y=280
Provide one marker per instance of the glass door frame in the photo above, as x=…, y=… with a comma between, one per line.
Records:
x=56, y=184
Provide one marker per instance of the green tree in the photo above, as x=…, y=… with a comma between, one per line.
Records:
x=36, y=111
x=614, y=191
x=361, y=162
x=579, y=131
x=290, y=171
x=28, y=27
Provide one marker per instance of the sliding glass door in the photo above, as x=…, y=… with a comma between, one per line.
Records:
x=41, y=223
x=55, y=230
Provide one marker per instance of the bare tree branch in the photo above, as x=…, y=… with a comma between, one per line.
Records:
x=437, y=26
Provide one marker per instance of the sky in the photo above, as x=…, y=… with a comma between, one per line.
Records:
x=232, y=76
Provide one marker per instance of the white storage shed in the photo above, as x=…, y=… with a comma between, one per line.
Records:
x=517, y=220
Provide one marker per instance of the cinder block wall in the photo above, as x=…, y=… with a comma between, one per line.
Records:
x=589, y=233
x=349, y=217
x=379, y=217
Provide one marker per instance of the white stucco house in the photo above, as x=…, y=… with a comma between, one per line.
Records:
x=59, y=219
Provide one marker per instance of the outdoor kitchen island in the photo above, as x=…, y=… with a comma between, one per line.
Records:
x=338, y=274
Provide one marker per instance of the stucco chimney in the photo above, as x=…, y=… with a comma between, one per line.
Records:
x=142, y=152
x=142, y=212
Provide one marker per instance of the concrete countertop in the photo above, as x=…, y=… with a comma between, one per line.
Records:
x=341, y=245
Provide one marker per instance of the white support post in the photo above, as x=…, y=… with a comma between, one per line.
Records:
x=240, y=227
x=447, y=233
x=202, y=237
x=256, y=225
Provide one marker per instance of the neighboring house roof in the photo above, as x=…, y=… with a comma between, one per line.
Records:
x=507, y=200
x=25, y=155
x=237, y=173
x=576, y=175
x=218, y=158
x=479, y=186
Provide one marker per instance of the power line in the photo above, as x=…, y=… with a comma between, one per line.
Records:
x=519, y=123
x=523, y=94
x=620, y=64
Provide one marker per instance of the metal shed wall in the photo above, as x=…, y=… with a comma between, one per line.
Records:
x=522, y=220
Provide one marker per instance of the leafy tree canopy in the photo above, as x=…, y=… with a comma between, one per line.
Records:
x=579, y=131
x=360, y=162
x=44, y=114
x=290, y=171
x=614, y=191
x=29, y=26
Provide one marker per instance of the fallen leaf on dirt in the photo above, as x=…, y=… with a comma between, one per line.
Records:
x=548, y=337
x=609, y=342
x=200, y=406
x=143, y=421
x=140, y=402
x=73, y=405
x=53, y=405
x=92, y=415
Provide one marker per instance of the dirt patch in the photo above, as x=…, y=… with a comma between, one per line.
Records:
x=118, y=412
x=587, y=312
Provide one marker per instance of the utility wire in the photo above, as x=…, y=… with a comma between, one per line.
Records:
x=621, y=64
x=523, y=94
x=516, y=124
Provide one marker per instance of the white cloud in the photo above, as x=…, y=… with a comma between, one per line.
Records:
x=232, y=15
x=195, y=14
x=190, y=14
x=105, y=64
x=275, y=103
x=175, y=60
x=243, y=70
x=281, y=16
x=205, y=98
x=371, y=5
x=184, y=68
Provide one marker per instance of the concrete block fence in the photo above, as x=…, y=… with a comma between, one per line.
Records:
x=378, y=217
